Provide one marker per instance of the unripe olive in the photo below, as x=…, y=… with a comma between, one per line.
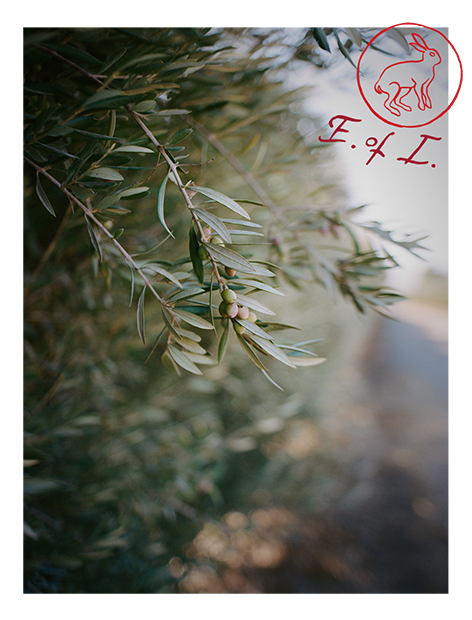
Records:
x=231, y=310
x=239, y=329
x=222, y=308
x=228, y=295
x=203, y=252
x=207, y=231
x=243, y=312
x=217, y=240
x=252, y=317
x=230, y=272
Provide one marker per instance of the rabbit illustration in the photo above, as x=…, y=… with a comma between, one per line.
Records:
x=397, y=80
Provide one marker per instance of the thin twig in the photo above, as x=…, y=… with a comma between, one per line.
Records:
x=174, y=169
x=89, y=213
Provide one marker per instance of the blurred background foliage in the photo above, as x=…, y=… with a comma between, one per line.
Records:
x=135, y=477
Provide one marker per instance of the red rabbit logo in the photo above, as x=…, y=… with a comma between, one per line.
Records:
x=397, y=80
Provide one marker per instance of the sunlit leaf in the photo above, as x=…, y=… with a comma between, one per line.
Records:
x=131, y=148
x=214, y=222
x=229, y=258
x=253, y=328
x=250, y=352
x=254, y=304
x=182, y=360
x=259, y=285
x=107, y=174
x=160, y=205
x=192, y=319
x=273, y=350
x=222, y=199
x=307, y=361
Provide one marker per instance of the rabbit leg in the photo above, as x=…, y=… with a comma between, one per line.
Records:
x=400, y=97
x=393, y=90
x=419, y=96
x=425, y=94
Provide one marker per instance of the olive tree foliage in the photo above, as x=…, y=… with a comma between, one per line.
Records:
x=169, y=185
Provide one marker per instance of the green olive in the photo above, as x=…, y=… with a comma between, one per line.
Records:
x=222, y=308
x=228, y=295
x=217, y=240
x=239, y=329
x=252, y=317
x=203, y=252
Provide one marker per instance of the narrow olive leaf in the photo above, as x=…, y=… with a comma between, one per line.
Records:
x=132, y=283
x=183, y=361
x=107, y=174
x=355, y=35
x=163, y=272
x=222, y=199
x=259, y=285
x=169, y=363
x=192, y=346
x=246, y=232
x=132, y=148
x=160, y=205
x=223, y=343
x=229, y=258
x=321, y=39
x=250, y=352
x=185, y=333
x=197, y=262
x=156, y=342
x=186, y=293
x=201, y=359
x=42, y=196
x=118, y=233
x=93, y=239
x=267, y=376
x=173, y=112
x=261, y=271
x=254, y=329
x=273, y=350
x=396, y=35
x=214, y=222
x=250, y=224
x=140, y=315
x=277, y=326
x=58, y=151
x=133, y=191
x=192, y=319
x=289, y=347
x=210, y=301
x=168, y=321
x=343, y=50
x=180, y=135
x=255, y=305
x=307, y=361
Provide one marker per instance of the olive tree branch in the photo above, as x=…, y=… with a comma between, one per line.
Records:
x=260, y=192
x=89, y=213
x=173, y=167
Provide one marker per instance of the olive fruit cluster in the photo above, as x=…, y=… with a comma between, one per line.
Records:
x=229, y=308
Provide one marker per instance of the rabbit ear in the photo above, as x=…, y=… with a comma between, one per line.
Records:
x=420, y=43
x=418, y=48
